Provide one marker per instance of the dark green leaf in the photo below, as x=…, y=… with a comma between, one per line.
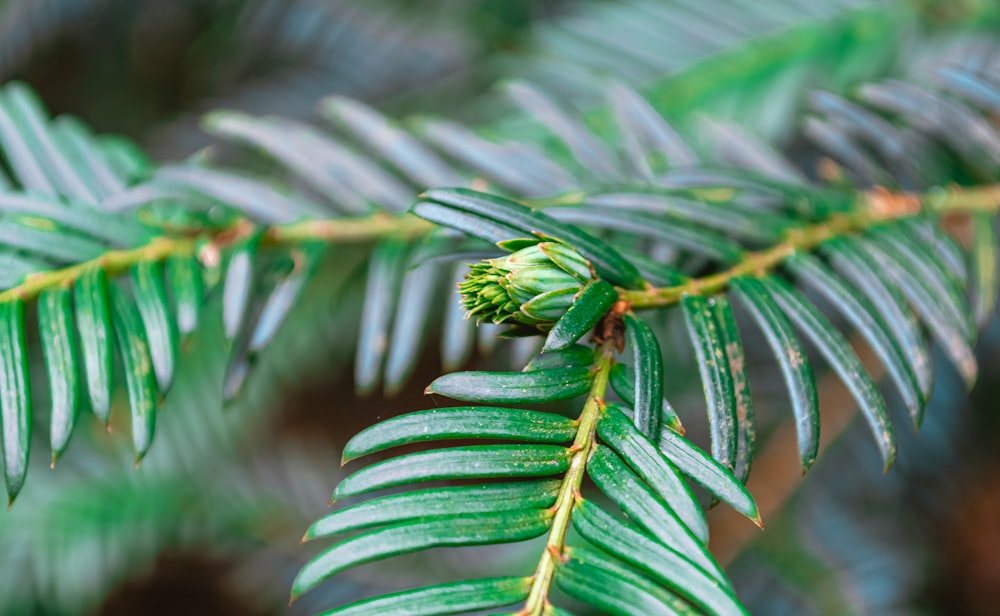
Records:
x=646, y=509
x=837, y=351
x=855, y=265
x=690, y=237
x=730, y=334
x=792, y=359
x=704, y=470
x=453, y=598
x=593, y=302
x=55, y=328
x=929, y=232
x=861, y=313
x=759, y=226
x=667, y=567
x=456, y=463
x=93, y=317
x=471, y=224
x=648, y=366
x=138, y=366
x=461, y=422
x=606, y=261
x=914, y=256
x=717, y=381
x=613, y=588
x=406, y=537
x=574, y=356
x=623, y=384
x=151, y=299
x=514, y=387
x=948, y=331
x=15, y=396
x=436, y=502
x=622, y=436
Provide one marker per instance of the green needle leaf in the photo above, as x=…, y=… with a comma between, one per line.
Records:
x=648, y=366
x=624, y=385
x=186, y=286
x=704, y=470
x=463, y=422
x=479, y=529
x=464, y=203
x=668, y=567
x=613, y=588
x=646, y=509
x=151, y=299
x=837, y=351
x=593, y=302
x=574, y=356
x=948, y=331
x=453, y=598
x=138, y=365
x=717, y=381
x=792, y=359
x=456, y=463
x=435, y=502
x=15, y=397
x=55, y=328
x=730, y=334
x=93, y=317
x=622, y=436
x=856, y=308
x=514, y=387
x=857, y=267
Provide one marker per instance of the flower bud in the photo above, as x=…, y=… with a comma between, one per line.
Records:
x=533, y=286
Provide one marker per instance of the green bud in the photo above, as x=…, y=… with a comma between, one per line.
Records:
x=534, y=285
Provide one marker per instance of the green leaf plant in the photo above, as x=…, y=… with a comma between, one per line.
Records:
x=579, y=245
x=642, y=536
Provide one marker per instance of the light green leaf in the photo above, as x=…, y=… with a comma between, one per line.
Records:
x=93, y=317
x=55, y=328
x=15, y=396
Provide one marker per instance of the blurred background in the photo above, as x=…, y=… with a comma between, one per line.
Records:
x=211, y=522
